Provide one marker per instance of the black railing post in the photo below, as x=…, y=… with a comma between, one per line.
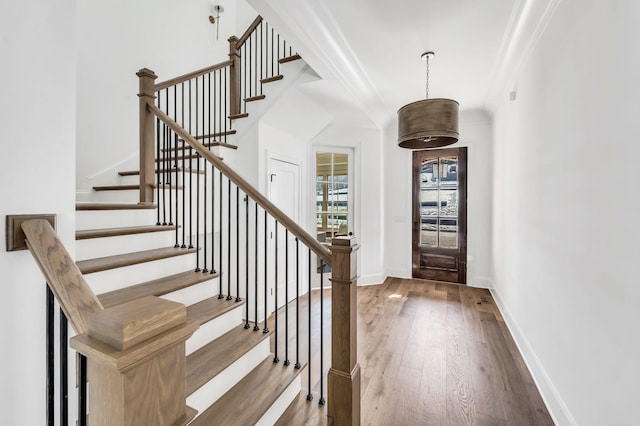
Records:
x=266, y=260
x=309, y=395
x=275, y=311
x=64, y=370
x=297, y=365
x=50, y=360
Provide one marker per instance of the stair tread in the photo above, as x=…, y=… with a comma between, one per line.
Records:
x=271, y=79
x=114, y=206
x=120, y=260
x=208, y=309
x=173, y=170
x=130, y=187
x=236, y=116
x=217, y=134
x=157, y=287
x=289, y=58
x=254, y=98
x=208, y=361
x=300, y=409
x=86, y=234
x=115, y=187
x=207, y=144
x=248, y=400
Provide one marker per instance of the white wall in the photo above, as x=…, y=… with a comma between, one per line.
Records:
x=37, y=106
x=565, y=212
x=475, y=134
x=116, y=39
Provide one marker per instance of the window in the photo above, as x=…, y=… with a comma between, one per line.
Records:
x=333, y=195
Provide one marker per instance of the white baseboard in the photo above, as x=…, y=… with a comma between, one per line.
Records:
x=557, y=408
x=481, y=282
x=370, y=279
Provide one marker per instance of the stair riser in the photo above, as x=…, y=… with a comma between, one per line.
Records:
x=107, y=246
x=195, y=293
x=122, y=196
x=95, y=219
x=280, y=406
x=214, y=329
x=219, y=385
x=114, y=279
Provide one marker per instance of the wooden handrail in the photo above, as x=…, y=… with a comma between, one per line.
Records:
x=249, y=30
x=193, y=74
x=267, y=205
x=64, y=278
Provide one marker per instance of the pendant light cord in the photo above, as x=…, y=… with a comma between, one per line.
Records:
x=427, y=79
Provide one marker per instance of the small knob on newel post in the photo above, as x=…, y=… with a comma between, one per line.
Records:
x=344, y=375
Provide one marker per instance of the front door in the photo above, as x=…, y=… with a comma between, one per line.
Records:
x=440, y=215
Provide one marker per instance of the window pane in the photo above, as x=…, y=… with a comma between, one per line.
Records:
x=429, y=231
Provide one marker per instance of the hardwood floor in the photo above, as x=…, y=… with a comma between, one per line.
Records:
x=431, y=353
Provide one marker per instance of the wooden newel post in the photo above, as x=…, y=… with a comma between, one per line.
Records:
x=344, y=374
x=234, y=77
x=147, y=152
x=137, y=364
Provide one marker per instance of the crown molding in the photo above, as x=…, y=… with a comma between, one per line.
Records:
x=526, y=26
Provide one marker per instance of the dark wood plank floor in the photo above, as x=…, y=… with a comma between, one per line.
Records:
x=431, y=354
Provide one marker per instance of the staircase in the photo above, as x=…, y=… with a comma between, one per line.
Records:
x=124, y=256
x=182, y=257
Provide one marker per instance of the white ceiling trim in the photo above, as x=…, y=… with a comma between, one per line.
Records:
x=526, y=26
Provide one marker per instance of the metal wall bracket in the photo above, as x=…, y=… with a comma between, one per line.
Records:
x=16, y=239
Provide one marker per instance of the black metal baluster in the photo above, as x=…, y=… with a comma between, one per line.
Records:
x=297, y=365
x=238, y=244
x=266, y=261
x=82, y=390
x=64, y=370
x=50, y=358
x=225, y=106
x=177, y=208
x=273, y=60
x=246, y=259
x=255, y=301
x=278, y=63
x=286, y=297
x=184, y=181
x=229, y=240
x=204, y=181
x=197, y=188
x=209, y=111
x=220, y=213
x=250, y=67
x=190, y=177
x=158, y=165
x=322, y=400
x=164, y=175
x=259, y=40
x=204, y=218
x=168, y=180
x=213, y=221
x=309, y=395
x=275, y=311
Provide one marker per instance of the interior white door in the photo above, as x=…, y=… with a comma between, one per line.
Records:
x=284, y=192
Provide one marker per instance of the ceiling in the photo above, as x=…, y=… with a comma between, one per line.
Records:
x=368, y=52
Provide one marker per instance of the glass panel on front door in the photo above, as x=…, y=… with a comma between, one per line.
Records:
x=439, y=202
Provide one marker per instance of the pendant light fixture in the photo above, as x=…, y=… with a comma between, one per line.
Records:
x=429, y=123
